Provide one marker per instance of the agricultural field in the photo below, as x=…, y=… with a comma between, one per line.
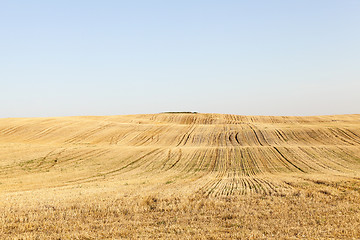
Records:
x=180, y=176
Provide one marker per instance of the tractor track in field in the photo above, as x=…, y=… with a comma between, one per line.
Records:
x=116, y=171
x=212, y=154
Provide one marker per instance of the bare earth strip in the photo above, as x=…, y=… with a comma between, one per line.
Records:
x=177, y=176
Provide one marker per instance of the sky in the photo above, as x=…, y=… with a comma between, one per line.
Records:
x=72, y=58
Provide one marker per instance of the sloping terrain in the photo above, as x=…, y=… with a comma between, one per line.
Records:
x=208, y=153
x=175, y=155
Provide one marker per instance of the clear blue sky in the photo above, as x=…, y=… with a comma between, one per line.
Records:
x=60, y=58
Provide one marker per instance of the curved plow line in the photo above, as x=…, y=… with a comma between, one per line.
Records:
x=242, y=163
x=223, y=163
x=327, y=137
x=223, y=188
x=82, y=156
x=207, y=161
x=168, y=159
x=312, y=164
x=322, y=136
x=186, y=164
x=203, y=167
x=269, y=185
x=296, y=138
x=209, y=191
x=216, y=186
x=115, y=171
x=149, y=137
x=127, y=133
x=255, y=135
x=139, y=139
x=196, y=177
x=269, y=165
x=144, y=139
x=284, y=158
x=49, y=160
x=354, y=135
x=339, y=137
x=241, y=141
x=231, y=186
x=326, y=160
x=243, y=187
x=262, y=137
x=49, y=131
x=231, y=139
x=233, y=164
x=177, y=161
x=255, y=164
x=146, y=164
x=234, y=185
x=43, y=133
x=281, y=136
x=154, y=163
x=239, y=186
x=86, y=134
x=200, y=137
x=119, y=138
x=186, y=136
x=335, y=137
x=234, y=136
x=260, y=187
x=218, y=138
x=298, y=160
x=340, y=158
x=207, y=187
x=193, y=167
x=11, y=130
x=199, y=167
x=248, y=186
x=279, y=163
x=246, y=163
x=310, y=134
x=57, y=155
x=237, y=139
x=354, y=156
x=348, y=134
x=261, y=160
x=249, y=166
x=213, y=161
x=227, y=136
x=266, y=189
x=314, y=159
x=226, y=188
x=324, y=153
x=251, y=138
x=217, y=191
x=253, y=187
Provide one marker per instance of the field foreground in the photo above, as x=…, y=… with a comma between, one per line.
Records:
x=180, y=176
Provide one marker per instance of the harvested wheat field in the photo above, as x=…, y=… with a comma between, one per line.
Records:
x=180, y=176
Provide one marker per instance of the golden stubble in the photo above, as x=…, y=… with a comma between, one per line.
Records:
x=179, y=176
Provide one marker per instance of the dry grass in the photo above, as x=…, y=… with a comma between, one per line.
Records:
x=297, y=215
x=180, y=176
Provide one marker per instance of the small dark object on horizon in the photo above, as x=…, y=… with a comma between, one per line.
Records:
x=181, y=112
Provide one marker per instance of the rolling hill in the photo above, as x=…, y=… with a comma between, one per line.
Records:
x=58, y=161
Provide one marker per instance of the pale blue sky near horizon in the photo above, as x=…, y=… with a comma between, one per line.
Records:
x=70, y=58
